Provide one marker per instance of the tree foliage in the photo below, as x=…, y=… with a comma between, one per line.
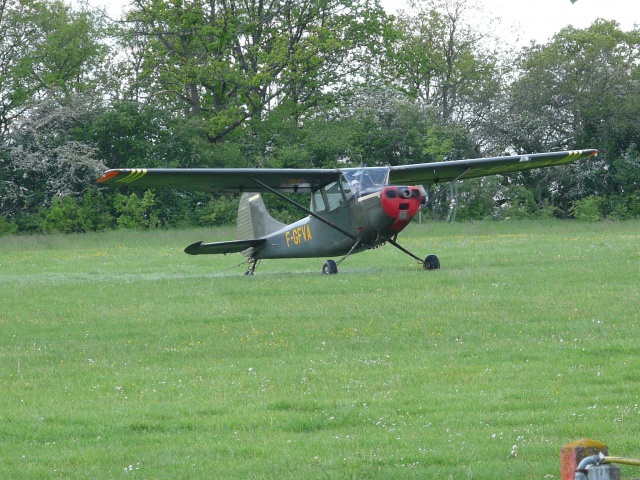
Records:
x=231, y=61
x=437, y=58
x=45, y=45
x=43, y=160
x=582, y=88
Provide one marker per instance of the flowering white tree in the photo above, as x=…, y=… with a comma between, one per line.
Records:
x=40, y=160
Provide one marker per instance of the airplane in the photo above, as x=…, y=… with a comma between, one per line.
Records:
x=352, y=209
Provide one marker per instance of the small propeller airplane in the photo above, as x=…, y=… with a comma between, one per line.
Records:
x=352, y=209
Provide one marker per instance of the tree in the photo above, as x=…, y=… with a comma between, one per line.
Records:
x=43, y=160
x=581, y=87
x=580, y=90
x=231, y=61
x=437, y=59
x=44, y=45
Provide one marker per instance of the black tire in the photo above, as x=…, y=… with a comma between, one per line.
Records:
x=329, y=268
x=431, y=263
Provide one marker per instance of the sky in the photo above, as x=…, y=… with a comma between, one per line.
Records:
x=522, y=20
x=539, y=20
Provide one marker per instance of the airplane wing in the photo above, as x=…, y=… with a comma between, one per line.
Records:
x=309, y=180
x=430, y=173
x=223, y=179
x=234, y=246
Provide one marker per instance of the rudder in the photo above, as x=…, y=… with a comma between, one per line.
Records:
x=253, y=219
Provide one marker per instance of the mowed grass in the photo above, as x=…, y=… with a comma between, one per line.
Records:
x=120, y=356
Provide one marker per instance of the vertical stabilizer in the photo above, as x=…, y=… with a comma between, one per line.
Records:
x=253, y=219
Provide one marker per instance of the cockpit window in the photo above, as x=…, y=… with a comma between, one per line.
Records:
x=362, y=179
x=327, y=198
x=353, y=182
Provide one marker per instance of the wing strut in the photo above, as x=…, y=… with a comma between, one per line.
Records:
x=442, y=190
x=304, y=209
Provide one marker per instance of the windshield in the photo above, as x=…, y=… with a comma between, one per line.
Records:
x=353, y=182
x=357, y=180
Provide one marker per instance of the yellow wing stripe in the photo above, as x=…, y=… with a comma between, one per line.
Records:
x=134, y=175
x=573, y=154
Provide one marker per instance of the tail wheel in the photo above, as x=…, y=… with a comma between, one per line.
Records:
x=329, y=268
x=431, y=263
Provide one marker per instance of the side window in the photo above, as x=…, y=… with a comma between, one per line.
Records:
x=330, y=197
x=317, y=202
x=334, y=196
x=327, y=199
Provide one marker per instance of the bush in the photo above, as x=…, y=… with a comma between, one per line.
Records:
x=588, y=209
x=219, y=211
x=135, y=212
x=65, y=215
x=77, y=215
x=97, y=209
x=31, y=222
x=7, y=227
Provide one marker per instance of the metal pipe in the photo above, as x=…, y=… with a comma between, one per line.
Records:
x=623, y=461
x=582, y=472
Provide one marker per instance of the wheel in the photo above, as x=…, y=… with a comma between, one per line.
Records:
x=431, y=263
x=329, y=268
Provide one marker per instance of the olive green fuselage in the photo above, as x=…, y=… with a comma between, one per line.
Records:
x=364, y=217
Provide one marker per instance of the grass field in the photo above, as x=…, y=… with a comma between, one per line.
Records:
x=122, y=357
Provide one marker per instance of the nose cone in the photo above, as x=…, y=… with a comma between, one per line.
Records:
x=402, y=204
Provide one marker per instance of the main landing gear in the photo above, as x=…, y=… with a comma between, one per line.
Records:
x=431, y=262
x=329, y=268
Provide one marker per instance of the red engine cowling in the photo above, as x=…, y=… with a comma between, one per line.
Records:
x=402, y=204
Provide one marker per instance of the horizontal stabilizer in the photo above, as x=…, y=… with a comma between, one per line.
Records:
x=234, y=246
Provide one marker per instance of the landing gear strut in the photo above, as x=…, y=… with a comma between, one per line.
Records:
x=331, y=268
x=430, y=263
x=253, y=264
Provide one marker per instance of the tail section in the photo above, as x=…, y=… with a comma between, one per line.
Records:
x=254, y=221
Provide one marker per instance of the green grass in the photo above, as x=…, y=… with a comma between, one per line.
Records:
x=120, y=356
